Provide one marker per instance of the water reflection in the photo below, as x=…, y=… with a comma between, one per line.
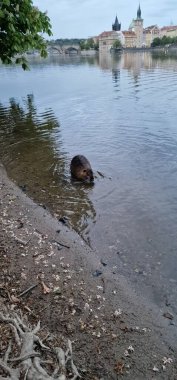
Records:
x=135, y=62
x=116, y=76
x=63, y=60
x=120, y=111
x=110, y=61
x=39, y=165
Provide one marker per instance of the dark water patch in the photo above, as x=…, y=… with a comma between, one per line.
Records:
x=29, y=151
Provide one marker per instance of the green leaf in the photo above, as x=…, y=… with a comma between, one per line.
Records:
x=1, y=13
x=21, y=24
x=18, y=61
x=6, y=2
x=11, y=28
x=25, y=66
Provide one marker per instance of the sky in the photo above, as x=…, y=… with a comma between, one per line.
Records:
x=86, y=18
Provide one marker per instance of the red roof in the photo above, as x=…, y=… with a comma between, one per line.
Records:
x=151, y=27
x=149, y=31
x=106, y=34
x=172, y=27
x=129, y=33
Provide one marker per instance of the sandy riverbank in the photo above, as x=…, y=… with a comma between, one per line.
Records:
x=99, y=312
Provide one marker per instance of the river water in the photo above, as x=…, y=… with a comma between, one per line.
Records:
x=121, y=112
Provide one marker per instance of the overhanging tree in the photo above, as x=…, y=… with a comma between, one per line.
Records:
x=21, y=26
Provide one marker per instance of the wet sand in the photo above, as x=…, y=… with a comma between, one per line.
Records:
x=110, y=326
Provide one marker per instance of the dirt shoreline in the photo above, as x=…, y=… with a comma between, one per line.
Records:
x=98, y=311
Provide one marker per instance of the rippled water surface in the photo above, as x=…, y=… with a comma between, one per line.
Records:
x=121, y=112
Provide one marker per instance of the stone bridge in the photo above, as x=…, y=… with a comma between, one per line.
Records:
x=64, y=49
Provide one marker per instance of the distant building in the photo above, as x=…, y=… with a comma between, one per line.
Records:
x=116, y=26
x=136, y=26
x=136, y=36
x=129, y=38
x=149, y=34
x=138, y=29
x=107, y=39
x=168, y=31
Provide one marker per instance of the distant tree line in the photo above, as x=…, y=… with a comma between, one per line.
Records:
x=85, y=44
x=89, y=44
x=65, y=41
x=164, y=41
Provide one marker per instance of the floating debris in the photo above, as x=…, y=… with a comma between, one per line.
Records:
x=167, y=360
x=155, y=369
x=117, y=313
x=168, y=315
x=103, y=263
x=97, y=273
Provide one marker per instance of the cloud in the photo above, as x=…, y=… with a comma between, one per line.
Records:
x=83, y=18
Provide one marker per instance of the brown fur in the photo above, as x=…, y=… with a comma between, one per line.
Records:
x=81, y=169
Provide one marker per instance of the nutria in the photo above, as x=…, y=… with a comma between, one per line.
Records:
x=81, y=169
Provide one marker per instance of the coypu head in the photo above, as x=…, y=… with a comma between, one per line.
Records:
x=81, y=169
x=85, y=174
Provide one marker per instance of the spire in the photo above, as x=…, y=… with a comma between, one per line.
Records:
x=139, y=12
x=116, y=26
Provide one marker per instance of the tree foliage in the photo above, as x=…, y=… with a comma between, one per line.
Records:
x=65, y=41
x=117, y=44
x=21, y=25
x=165, y=40
x=88, y=44
x=85, y=44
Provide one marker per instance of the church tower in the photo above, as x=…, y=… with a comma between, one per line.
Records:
x=138, y=28
x=116, y=26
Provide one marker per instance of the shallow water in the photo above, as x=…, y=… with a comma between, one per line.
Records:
x=120, y=111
